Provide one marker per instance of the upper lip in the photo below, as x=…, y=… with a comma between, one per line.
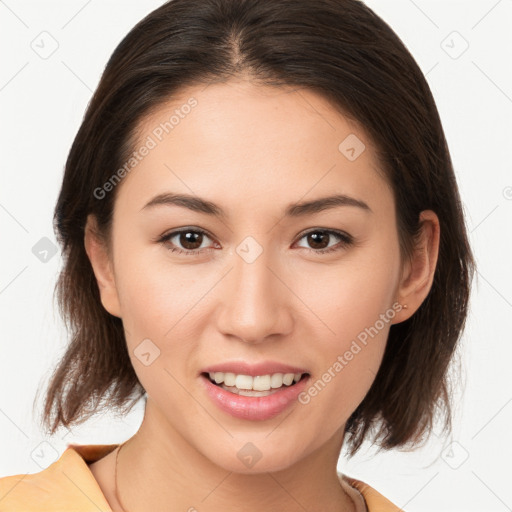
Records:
x=253, y=369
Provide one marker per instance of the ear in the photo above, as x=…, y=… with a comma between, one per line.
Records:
x=102, y=266
x=418, y=273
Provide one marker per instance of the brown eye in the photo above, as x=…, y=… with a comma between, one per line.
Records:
x=187, y=241
x=319, y=239
x=190, y=240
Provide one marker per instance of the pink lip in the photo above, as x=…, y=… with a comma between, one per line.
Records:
x=263, y=368
x=252, y=407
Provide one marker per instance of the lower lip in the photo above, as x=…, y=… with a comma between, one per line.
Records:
x=256, y=408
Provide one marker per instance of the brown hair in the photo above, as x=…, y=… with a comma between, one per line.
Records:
x=338, y=48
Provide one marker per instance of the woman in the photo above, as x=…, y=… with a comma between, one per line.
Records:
x=263, y=238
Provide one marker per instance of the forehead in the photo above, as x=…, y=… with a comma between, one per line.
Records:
x=238, y=144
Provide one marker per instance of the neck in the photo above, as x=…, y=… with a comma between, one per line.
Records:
x=158, y=466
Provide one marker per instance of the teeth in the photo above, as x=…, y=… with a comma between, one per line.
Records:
x=244, y=382
x=276, y=380
x=257, y=383
x=288, y=378
x=229, y=379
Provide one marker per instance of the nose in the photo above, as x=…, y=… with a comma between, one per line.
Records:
x=256, y=303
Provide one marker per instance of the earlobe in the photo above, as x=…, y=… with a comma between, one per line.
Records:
x=419, y=275
x=101, y=264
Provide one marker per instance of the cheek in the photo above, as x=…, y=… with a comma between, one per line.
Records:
x=356, y=310
x=349, y=362
x=156, y=319
x=153, y=293
x=160, y=303
x=354, y=295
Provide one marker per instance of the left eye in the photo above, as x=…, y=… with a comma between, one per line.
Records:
x=326, y=234
x=192, y=239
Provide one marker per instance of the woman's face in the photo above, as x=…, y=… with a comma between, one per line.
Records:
x=254, y=286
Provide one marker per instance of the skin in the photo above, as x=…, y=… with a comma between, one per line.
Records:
x=252, y=150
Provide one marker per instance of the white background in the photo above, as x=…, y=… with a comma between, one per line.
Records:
x=42, y=103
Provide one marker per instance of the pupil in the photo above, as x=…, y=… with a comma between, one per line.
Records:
x=188, y=240
x=315, y=237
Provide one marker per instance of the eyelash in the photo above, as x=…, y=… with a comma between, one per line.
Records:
x=346, y=240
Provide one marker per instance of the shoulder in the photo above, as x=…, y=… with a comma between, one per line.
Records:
x=375, y=502
x=67, y=484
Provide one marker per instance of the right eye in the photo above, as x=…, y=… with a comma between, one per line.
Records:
x=190, y=239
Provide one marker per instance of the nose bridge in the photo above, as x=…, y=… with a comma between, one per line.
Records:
x=254, y=305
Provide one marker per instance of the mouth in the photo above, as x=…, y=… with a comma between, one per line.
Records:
x=254, y=386
x=255, y=392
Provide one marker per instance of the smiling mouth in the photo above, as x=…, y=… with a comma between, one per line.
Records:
x=259, y=386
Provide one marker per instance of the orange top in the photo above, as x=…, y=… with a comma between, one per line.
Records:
x=69, y=485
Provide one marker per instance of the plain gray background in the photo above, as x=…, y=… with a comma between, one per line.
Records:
x=53, y=55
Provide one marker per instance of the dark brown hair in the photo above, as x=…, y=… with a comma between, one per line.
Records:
x=338, y=48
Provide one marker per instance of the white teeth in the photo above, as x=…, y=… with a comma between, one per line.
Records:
x=288, y=378
x=261, y=383
x=243, y=382
x=229, y=379
x=257, y=383
x=276, y=380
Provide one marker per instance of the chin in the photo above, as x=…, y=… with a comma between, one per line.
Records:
x=251, y=455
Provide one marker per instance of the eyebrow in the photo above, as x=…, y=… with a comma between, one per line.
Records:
x=200, y=205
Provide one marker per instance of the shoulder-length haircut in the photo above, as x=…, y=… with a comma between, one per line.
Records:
x=338, y=48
